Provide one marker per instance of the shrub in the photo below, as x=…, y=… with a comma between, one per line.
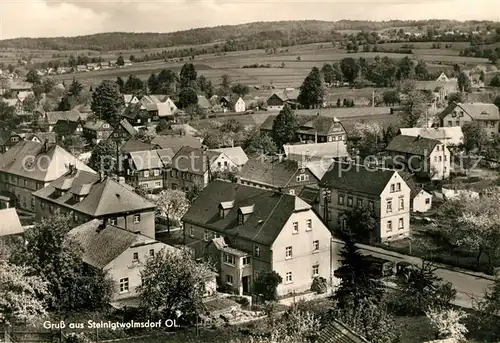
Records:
x=319, y=285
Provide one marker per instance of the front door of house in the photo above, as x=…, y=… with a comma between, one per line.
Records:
x=246, y=284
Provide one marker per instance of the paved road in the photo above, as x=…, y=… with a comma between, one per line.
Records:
x=469, y=285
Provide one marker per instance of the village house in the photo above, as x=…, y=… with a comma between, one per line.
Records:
x=22, y=95
x=235, y=104
x=121, y=253
x=247, y=230
x=193, y=168
x=449, y=136
x=442, y=78
x=130, y=99
x=16, y=103
x=50, y=119
x=10, y=225
x=278, y=175
x=8, y=139
x=65, y=128
x=277, y=100
x=136, y=115
x=41, y=137
x=123, y=131
x=16, y=86
x=88, y=196
x=421, y=200
x=97, y=130
x=439, y=89
x=235, y=154
x=176, y=142
x=457, y=114
x=382, y=191
x=148, y=168
x=29, y=166
x=133, y=145
x=313, y=129
x=422, y=156
x=158, y=111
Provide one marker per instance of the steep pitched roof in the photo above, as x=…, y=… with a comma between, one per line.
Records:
x=66, y=127
x=127, y=127
x=102, y=245
x=235, y=154
x=35, y=161
x=54, y=117
x=412, y=145
x=336, y=332
x=309, y=124
x=356, y=178
x=193, y=160
x=5, y=136
x=481, y=111
x=98, y=124
x=135, y=145
x=175, y=142
x=308, y=152
x=410, y=181
x=203, y=101
x=163, y=109
x=287, y=95
x=450, y=135
x=41, y=137
x=102, y=196
x=10, y=223
x=152, y=159
x=271, y=211
x=269, y=171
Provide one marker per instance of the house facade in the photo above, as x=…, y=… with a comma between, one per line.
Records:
x=90, y=196
x=277, y=100
x=30, y=166
x=457, y=114
x=246, y=231
x=382, y=191
x=148, y=168
x=124, y=259
x=423, y=156
x=123, y=131
x=8, y=139
x=192, y=168
x=97, y=131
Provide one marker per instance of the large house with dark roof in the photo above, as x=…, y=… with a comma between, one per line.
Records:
x=65, y=128
x=383, y=191
x=90, y=196
x=422, y=156
x=123, y=131
x=176, y=142
x=278, y=175
x=97, y=130
x=278, y=100
x=194, y=168
x=313, y=129
x=30, y=166
x=247, y=230
x=148, y=168
x=457, y=114
x=117, y=251
x=8, y=139
x=50, y=119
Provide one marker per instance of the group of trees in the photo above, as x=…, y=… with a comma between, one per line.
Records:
x=48, y=274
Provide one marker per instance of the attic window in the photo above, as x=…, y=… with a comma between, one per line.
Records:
x=224, y=208
x=244, y=212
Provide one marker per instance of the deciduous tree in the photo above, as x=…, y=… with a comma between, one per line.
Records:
x=173, y=283
x=448, y=323
x=107, y=102
x=464, y=83
x=284, y=127
x=475, y=136
x=33, y=77
x=240, y=89
x=172, y=204
x=414, y=106
x=350, y=69
x=266, y=284
x=187, y=96
x=260, y=143
x=312, y=92
x=103, y=157
x=188, y=75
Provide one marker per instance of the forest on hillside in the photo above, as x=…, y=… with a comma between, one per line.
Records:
x=252, y=35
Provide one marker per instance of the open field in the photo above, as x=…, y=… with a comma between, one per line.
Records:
x=291, y=75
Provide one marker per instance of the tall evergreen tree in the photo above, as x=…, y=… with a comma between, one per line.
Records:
x=75, y=88
x=328, y=73
x=153, y=84
x=120, y=83
x=312, y=92
x=188, y=75
x=107, y=102
x=356, y=281
x=284, y=127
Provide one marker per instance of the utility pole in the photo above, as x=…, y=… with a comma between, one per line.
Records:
x=373, y=98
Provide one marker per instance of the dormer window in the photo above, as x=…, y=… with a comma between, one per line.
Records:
x=244, y=212
x=241, y=218
x=224, y=208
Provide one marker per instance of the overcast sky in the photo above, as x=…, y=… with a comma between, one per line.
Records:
x=46, y=18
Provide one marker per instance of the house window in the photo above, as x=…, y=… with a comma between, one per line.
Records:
x=240, y=218
x=341, y=199
x=137, y=218
x=229, y=279
x=440, y=158
x=25, y=183
x=359, y=202
x=135, y=257
x=401, y=224
x=146, y=173
x=225, y=163
x=295, y=228
x=454, y=114
x=291, y=191
x=450, y=123
x=398, y=187
x=42, y=205
x=288, y=277
x=112, y=221
x=219, y=164
x=389, y=226
x=246, y=260
x=124, y=285
x=315, y=245
x=437, y=148
x=229, y=259
x=435, y=158
x=445, y=158
x=157, y=184
x=33, y=203
x=288, y=252
x=191, y=231
x=206, y=236
x=309, y=225
x=401, y=204
x=392, y=188
x=457, y=123
x=256, y=251
x=389, y=206
x=151, y=252
x=427, y=201
x=349, y=201
x=156, y=172
x=315, y=270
